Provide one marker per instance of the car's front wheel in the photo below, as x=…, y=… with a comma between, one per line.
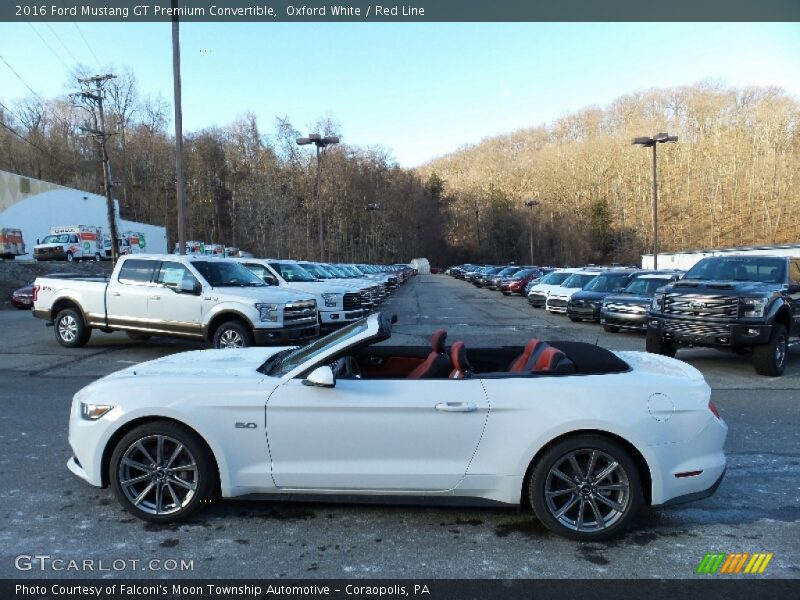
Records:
x=233, y=334
x=770, y=359
x=586, y=488
x=654, y=344
x=161, y=472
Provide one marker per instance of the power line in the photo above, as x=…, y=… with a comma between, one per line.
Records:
x=85, y=41
x=49, y=47
x=60, y=41
x=25, y=83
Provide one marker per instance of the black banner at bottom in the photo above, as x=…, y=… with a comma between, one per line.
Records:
x=435, y=589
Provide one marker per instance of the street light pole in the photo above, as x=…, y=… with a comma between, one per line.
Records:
x=530, y=204
x=652, y=142
x=321, y=143
x=180, y=184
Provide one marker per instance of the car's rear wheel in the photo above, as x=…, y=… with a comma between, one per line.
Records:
x=233, y=334
x=161, y=472
x=655, y=344
x=586, y=488
x=770, y=359
x=70, y=329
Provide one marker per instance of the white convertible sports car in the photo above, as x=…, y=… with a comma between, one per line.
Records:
x=585, y=435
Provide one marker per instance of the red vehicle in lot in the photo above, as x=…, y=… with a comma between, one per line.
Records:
x=516, y=285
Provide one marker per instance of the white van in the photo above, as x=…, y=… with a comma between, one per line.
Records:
x=74, y=242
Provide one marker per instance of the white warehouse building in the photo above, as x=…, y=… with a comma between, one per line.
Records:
x=686, y=260
x=34, y=206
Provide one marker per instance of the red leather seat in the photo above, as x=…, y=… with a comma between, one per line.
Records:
x=526, y=360
x=438, y=363
x=461, y=366
x=548, y=359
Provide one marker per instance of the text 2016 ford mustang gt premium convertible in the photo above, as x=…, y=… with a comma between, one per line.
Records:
x=584, y=435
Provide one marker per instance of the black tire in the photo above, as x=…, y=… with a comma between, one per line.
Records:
x=575, y=319
x=191, y=487
x=70, y=257
x=233, y=334
x=96, y=257
x=627, y=494
x=770, y=359
x=138, y=336
x=70, y=328
x=610, y=328
x=654, y=344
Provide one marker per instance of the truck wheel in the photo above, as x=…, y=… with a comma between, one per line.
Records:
x=70, y=258
x=96, y=257
x=71, y=331
x=233, y=334
x=770, y=359
x=610, y=328
x=655, y=345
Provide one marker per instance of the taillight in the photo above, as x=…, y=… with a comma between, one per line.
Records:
x=713, y=410
x=35, y=294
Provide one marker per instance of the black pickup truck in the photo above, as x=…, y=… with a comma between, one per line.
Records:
x=739, y=302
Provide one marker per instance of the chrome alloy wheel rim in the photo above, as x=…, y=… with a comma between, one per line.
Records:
x=68, y=328
x=587, y=490
x=158, y=475
x=231, y=339
x=780, y=351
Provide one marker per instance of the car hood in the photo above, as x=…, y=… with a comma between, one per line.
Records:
x=318, y=287
x=241, y=362
x=562, y=292
x=589, y=296
x=268, y=294
x=722, y=288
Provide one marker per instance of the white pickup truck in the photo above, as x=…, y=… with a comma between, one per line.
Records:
x=196, y=297
x=337, y=304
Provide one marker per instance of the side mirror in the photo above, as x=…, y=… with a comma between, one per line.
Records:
x=321, y=377
x=270, y=280
x=189, y=286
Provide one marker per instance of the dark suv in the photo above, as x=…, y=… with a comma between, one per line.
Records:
x=739, y=302
x=586, y=303
x=628, y=309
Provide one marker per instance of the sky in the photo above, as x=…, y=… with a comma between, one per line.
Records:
x=419, y=90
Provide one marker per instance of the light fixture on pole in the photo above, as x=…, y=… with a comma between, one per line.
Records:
x=530, y=204
x=321, y=143
x=652, y=142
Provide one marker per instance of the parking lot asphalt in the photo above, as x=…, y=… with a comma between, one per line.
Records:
x=45, y=510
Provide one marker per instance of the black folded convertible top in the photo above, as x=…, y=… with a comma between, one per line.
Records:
x=590, y=359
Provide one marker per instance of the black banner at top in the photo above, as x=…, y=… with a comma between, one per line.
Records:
x=409, y=11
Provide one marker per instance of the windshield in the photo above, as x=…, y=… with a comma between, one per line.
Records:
x=226, y=274
x=555, y=278
x=756, y=268
x=646, y=286
x=608, y=282
x=292, y=272
x=578, y=280
x=285, y=361
x=524, y=273
x=56, y=239
x=508, y=271
x=316, y=270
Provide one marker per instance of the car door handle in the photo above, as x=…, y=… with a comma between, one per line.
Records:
x=115, y=293
x=456, y=407
x=155, y=297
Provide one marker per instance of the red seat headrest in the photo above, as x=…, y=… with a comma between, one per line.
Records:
x=548, y=359
x=521, y=362
x=437, y=341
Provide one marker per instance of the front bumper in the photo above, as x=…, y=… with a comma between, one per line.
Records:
x=696, y=332
x=537, y=300
x=556, y=305
x=340, y=317
x=632, y=321
x=263, y=337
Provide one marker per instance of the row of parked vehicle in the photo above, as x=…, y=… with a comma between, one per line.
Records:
x=745, y=303
x=231, y=302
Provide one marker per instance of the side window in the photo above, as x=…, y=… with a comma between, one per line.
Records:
x=73, y=239
x=794, y=271
x=173, y=274
x=259, y=270
x=137, y=272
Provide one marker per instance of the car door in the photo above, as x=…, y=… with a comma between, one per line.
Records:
x=382, y=435
x=126, y=297
x=173, y=310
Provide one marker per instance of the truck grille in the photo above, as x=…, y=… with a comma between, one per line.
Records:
x=302, y=311
x=695, y=328
x=352, y=301
x=696, y=305
x=557, y=303
x=537, y=298
x=366, y=298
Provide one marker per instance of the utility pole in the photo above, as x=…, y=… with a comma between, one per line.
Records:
x=92, y=96
x=180, y=185
x=530, y=204
x=321, y=143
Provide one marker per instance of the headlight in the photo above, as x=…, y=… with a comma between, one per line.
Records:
x=658, y=301
x=268, y=312
x=92, y=412
x=331, y=300
x=755, y=307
